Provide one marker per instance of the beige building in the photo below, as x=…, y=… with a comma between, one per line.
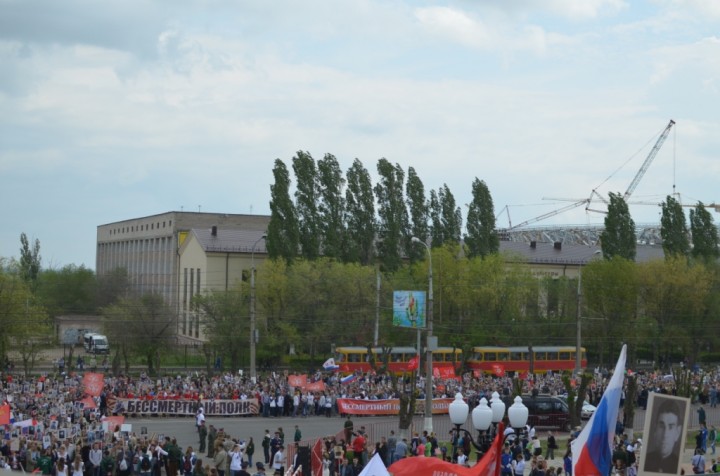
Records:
x=217, y=259
x=151, y=250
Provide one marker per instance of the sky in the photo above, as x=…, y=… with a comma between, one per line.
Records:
x=123, y=109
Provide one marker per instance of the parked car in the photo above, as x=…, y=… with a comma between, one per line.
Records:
x=587, y=410
x=546, y=411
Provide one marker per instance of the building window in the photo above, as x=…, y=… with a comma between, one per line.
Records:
x=184, y=299
x=198, y=282
x=163, y=224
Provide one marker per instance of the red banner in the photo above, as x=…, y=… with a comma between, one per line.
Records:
x=5, y=414
x=489, y=465
x=446, y=372
x=353, y=406
x=318, y=386
x=93, y=384
x=413, y=363
x=297, y=380
x=114, y=422
x=498, y=369
x=88, y=403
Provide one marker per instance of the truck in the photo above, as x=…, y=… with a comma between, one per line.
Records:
x=96, y=343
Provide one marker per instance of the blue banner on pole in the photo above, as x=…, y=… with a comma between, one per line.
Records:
x=409, y=309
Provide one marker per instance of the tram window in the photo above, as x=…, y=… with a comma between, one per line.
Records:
x=516, y=356
x=572, y=355
x=339, y=357
x=564, y=356
x=552, y=356
x=354, y=358
x=490, y=356
x=540, y=356
x=441, y=357
x=477, y=356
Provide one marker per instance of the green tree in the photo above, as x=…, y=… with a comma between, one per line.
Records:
x=24, y=323
x=673, y=229
x=618, y=237
x=437, y=230
x=306, y=204
x=359, y=242
x=225, y=322
x=331, y=208
x=704, y=234
x=445, y=216
x=482, y=238
x=451, y=215
x=143, y=326
x=283, y=235
x=610, y=295
x=69, y=290
x=674, y=295
x=393, y=219
x=418, y=212
x=29, y=261
x=112, y=286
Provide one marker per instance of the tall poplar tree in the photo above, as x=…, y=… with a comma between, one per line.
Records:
x=673, y=229
x=418, y=213
x=306, y=204
x=282, y=233
x=704, y=234
x=451, y=215
x=445, y=216
x=29, y=261
x=393, y=218
x=437, y=230
x=332, y=206
x=618, y=237
x=359, y=240
x=482, y=238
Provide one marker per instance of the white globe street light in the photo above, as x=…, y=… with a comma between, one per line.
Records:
x=484, y=416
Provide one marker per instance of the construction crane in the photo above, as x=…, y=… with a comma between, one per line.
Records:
x=648, y=161
x=633, y=185
x=549, y=214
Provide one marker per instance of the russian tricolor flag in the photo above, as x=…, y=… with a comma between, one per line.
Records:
x=592, y=449
x=348, y=379
x=330, y=365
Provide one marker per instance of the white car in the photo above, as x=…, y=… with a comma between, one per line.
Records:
x=587, y=410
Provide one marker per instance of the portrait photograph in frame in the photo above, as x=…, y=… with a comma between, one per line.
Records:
x=666, y=421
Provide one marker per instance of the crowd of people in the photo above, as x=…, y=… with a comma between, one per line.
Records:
x=55, y=422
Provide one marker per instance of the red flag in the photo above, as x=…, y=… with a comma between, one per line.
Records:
x=88, y=403
x=489, y=465
x=413, y=363
x=297, y=380
x=5, y=414
x=316, y=458
x=498, y=369
x=93, y=383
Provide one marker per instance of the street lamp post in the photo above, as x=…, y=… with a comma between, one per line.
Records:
x=253, y=337
x=428, y=350
x=482, y=417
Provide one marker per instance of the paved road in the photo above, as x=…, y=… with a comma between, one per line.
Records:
x=184, y=428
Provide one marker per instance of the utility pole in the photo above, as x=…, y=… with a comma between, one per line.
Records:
x=578, y=344
x=430, y=343
x=253, y=331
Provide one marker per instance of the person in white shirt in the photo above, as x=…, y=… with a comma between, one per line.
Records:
x=77, y=467
x=462, y=458
x=518, y=465
x=279, y=460
x=95, y=459
x=236, y=459
x=199, y=418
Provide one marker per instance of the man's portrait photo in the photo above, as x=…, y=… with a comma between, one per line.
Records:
x=664, y=434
